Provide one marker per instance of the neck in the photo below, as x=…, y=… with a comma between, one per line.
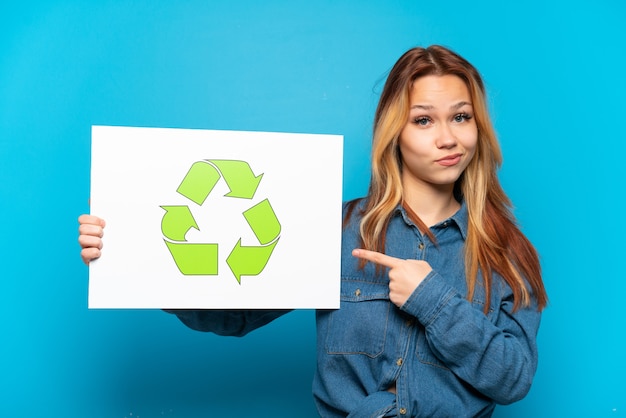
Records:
x=432, y=205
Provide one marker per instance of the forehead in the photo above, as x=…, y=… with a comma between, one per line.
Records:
x=439, y=88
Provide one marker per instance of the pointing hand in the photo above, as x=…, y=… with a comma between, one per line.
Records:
x=404, y=275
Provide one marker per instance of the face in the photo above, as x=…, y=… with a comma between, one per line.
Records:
x=439, y=139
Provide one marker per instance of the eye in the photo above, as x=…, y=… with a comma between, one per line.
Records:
x=421, y=120
x=462, y=117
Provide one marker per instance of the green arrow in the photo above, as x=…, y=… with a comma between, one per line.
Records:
x=263, y=221
x=239, y=177
x=176, y=222
x=249, y=261
x=199, y=181
x=194, y=259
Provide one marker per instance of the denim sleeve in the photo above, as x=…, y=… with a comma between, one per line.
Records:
x=234, y=323
x=497, y=355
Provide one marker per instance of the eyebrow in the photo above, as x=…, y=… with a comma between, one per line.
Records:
x=453, y=107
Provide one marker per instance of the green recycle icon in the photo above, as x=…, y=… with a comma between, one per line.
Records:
x=202, y=259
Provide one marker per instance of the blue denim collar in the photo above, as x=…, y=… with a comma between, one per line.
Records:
x=460, y=218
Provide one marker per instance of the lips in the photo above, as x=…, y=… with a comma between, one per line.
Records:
x=450, y=160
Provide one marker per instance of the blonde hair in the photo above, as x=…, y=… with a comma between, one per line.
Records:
x=494, y=241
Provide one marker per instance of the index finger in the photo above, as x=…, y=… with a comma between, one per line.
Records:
x=376, y=257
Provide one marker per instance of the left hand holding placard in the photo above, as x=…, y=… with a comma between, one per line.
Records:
x=404, y=275
x=90, y=233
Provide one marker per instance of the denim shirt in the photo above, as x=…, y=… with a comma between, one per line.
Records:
x=446, y=357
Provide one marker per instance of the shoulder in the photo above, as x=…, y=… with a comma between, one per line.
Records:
x=351, y=221
x=353, y=210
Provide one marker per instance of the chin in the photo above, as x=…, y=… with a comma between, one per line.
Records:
x=447, y=181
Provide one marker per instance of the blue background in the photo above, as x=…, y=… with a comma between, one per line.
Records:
x=555, y=74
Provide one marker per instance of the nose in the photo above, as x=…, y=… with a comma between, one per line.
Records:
x=445, y=137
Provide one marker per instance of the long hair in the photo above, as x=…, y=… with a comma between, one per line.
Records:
x=494, y=241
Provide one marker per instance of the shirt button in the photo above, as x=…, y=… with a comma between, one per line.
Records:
x=357, y=292
x=399, y=362
x=421, y=246
x=445, y=224
x=402, y=411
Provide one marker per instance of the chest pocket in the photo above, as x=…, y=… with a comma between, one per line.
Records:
x=360, y=325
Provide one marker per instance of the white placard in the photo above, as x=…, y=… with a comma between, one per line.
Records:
x=205, y=219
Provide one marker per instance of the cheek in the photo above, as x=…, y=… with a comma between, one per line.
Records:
x=470, y=142
x=471, y=149
x=415, y=143
x=412, y=153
